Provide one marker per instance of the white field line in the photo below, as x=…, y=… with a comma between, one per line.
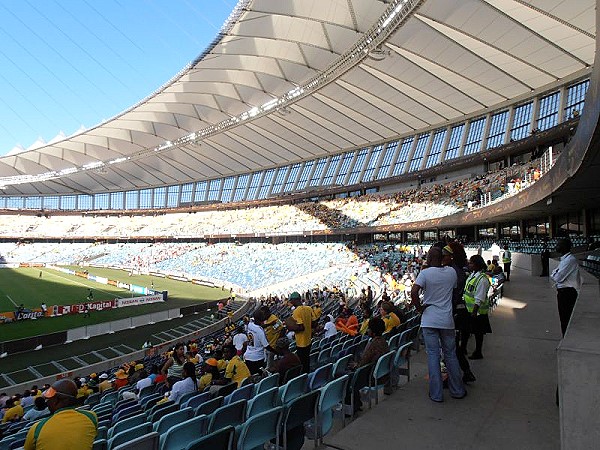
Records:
x=80, y=283
x=12, y=301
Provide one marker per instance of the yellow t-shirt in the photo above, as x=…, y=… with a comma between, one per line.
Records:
x=303, y=316
x=66, y=428
x=316, y=313
x=204, y=381
x=364, y=326
x=273, y=327
x=14, y=413
x=237, y=370
x=391, y=321
x=221, y=364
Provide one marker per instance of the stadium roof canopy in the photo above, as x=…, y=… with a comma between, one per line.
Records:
x=286, y=81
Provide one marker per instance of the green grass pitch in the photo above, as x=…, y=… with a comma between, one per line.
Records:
x=24, y=285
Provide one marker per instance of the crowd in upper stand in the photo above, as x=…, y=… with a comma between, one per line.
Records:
x=427, y=201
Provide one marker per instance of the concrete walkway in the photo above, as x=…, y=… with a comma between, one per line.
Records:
x=510, y=406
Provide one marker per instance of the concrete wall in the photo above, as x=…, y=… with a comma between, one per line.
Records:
x=579, y=370
x=140, y=354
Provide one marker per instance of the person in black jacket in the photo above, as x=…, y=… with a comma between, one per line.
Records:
x=454, y=255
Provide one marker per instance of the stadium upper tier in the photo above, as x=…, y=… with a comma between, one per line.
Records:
x=298, y=95
x=429, y=201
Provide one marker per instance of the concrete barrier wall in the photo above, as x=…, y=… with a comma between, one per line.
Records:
x=137, y=355
x=579, y=370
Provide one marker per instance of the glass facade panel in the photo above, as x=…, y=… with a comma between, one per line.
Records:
x=548, y=116
x=436, y=147
x=116, y=200
x=386, y=162
x=51, y=202
x=344, y=167
x=292, y=177
x=576, y=99
x=101, y=201
x=473, y=142
x=303, y=180
x=253, y=188
x=214, y=190
x=67, y=202
x=132, y=199
x=358, y=166
x=145, y=198
x=240, y=189
x=15, y=203
x=417, y=159
x=279, y=179
x=498, y=125
x=371, y=163
x=333, y=164
x=173, y=196
x=402, y=156
x=521, y=121
x=266, y=184
x=85, y=202
x=186, y=192
x=160, y=197
x=228, y=184
x=456, y=136
x=318, y=173
x=200, y=194
x=33, y=202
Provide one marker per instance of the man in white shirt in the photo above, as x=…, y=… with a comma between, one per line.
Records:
x=568, y=282
x=257, y=344
x=329, y=327
x=240, y=340
x=437, y=323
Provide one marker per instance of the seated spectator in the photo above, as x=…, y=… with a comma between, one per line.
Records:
x=27, y=399
x=347, y=322
x=83, y=390
x=377, y=346
x=67, y=427
x=237, y=370
x=329, y=327
x=390, y=319
x=139, y=373
x=221, y=363
x=367, y=315
x=40, y=409
x=211, y=374
x=105, y=384
x=13, y=411
x=187, y=385
x=287, y=359
x=121, y=379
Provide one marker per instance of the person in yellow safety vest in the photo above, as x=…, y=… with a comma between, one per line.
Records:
x=506, y=260
x=477, y=303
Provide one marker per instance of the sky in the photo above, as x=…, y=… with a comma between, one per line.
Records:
x=68, y=64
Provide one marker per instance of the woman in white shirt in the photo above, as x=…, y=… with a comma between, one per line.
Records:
x=187, y=385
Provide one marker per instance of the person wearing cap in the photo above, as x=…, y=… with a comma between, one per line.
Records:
x=211, y=373
x=300, y=322
x=67, y=427
x=105, y=383
x=287, y=360
x=121, y=379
